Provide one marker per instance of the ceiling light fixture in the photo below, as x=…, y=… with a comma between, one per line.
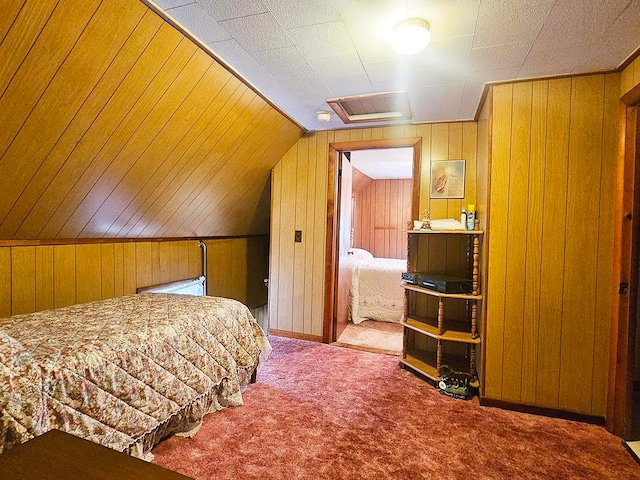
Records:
x=411, y=36
x=324, y=117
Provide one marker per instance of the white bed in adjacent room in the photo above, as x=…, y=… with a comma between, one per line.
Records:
x=376, y=293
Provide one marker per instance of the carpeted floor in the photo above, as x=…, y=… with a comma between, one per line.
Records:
x=369, y=335
x=325, y=412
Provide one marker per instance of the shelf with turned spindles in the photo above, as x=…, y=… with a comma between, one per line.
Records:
x=442, y=328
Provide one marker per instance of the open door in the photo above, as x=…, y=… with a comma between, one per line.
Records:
x=343, y=244
x=338, y=232
x=620, y=400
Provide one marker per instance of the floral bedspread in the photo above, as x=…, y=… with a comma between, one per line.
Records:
x=125, y=372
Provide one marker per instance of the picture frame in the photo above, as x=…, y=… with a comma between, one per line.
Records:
x=447, y=179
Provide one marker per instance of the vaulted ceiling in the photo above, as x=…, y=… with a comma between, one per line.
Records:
x=114, y=124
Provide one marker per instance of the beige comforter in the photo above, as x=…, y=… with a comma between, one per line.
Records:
x=376, y=291
x=125, y=372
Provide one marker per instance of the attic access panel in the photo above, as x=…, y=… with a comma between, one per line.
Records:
x=375, y=107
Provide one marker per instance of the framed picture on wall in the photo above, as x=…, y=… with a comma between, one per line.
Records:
x=447, y=179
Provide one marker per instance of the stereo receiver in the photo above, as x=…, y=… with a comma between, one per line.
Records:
x=445, y=284
x=439, y=283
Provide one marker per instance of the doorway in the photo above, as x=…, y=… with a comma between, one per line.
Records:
x=623, y=404
x=381, y=197
x=631, y=425
x=338, y=272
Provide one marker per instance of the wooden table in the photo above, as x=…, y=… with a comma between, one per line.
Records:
x=56, y=455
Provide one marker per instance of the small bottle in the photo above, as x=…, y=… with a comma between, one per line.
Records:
x=463, y=218
x=471, y=217
x=426, y=220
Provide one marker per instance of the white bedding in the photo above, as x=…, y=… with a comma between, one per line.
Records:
x=376, y=293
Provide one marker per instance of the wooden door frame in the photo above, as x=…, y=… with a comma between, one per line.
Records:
x=335, y=148
x=625, y=268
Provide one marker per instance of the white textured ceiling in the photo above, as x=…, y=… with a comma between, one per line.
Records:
x=384, y=163
x=299, y=53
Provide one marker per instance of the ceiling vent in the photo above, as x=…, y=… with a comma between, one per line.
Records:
x=375, y=107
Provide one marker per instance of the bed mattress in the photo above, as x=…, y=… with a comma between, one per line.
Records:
x=376, y=292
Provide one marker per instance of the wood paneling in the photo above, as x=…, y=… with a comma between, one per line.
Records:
x=382, y=210
x=107, y=267
x=630, y=77
x=605, y=251
x=5, y=281
x=141, y=132
x=517, y=210
x=41, y=277
x=300, y=267
x=583, y=195
x=360, y=181
x=64, y=276
x=44, y=277
x=553, y=241
x=553, y=147
x=448, y=141
x=23, y=280
x=88, y=273
x=236, y=268
x=282, y=278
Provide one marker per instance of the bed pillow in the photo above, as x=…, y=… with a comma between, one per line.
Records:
x=361, y=255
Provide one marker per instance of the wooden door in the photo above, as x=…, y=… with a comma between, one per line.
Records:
x=625, y=274
x=343, y=270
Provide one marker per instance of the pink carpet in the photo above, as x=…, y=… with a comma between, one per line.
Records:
x=325, y=412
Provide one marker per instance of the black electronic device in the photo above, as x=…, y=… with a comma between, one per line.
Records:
x=412, y=277
x=444, y=283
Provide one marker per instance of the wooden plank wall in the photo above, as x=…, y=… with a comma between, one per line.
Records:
x=114, y=124
x=296, y=270
x=237, y=268
x=40, y=277
x=382, y=210
x=299, y=202
x=554, y=147
x=359, y=180
x=630, y=77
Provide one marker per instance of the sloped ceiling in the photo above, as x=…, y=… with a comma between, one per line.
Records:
x=301, y=53
x=114, y=124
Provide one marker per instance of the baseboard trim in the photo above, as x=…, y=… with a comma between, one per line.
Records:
x=367, y=349
x=296, y=335
x=544, y=411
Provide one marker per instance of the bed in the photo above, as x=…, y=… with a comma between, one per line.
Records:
x=376, y=293
x=125, y=372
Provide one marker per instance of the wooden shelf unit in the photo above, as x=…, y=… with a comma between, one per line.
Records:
x=433, y=336
x=427, y=291
x=454, y=330
x=446, y=232
x=421, y=362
